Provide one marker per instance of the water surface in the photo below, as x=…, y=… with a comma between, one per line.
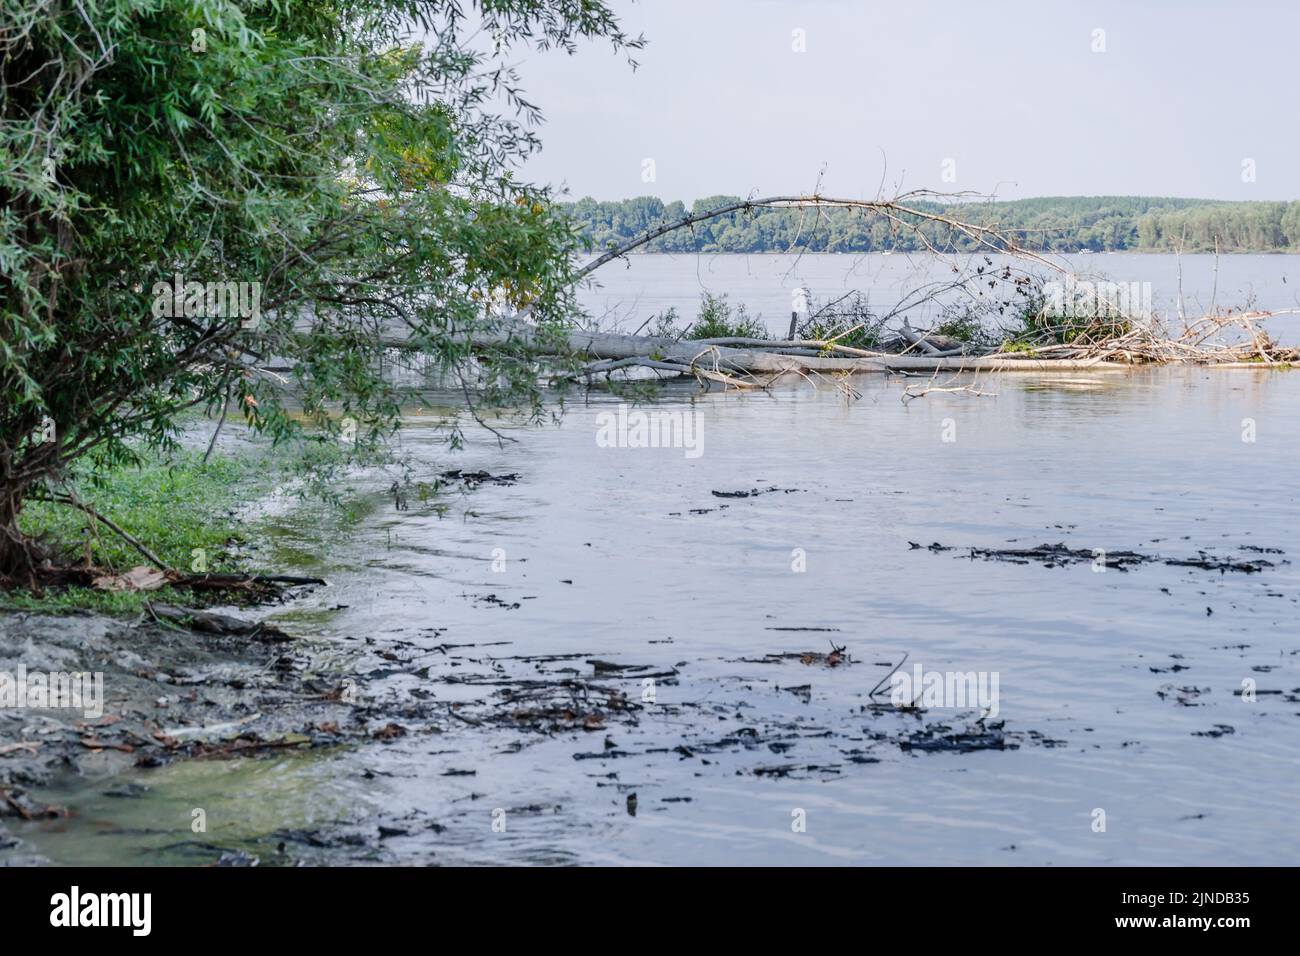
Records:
x=1121, y=673
x=1118, y=686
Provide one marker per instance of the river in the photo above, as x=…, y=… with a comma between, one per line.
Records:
x=1125, y=695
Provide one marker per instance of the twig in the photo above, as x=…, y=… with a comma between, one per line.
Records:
x=876, y=689
x=220, y=422
x=70, y=500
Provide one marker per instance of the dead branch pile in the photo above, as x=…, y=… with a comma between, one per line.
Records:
x=1225, y=341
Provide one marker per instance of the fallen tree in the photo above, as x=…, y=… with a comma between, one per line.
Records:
x=448, y=321
x=725, y=360
x=1105, y=336
x=757, y=362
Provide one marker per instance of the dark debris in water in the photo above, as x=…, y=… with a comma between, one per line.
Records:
x=1218, y=730
x=622, y=720
x=754, y=492
x=473, y=479
x=1183, y=696
x=941, y=738
x=493, y=601
x=1060, y=555
x=835, y=657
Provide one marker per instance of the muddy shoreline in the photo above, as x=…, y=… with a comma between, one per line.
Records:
x=171, y=693
x=196, y=693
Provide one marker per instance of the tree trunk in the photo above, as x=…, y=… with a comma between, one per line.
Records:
x=17, y=561
x=704, y=354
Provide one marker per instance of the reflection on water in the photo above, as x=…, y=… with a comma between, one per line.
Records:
x=601, y=551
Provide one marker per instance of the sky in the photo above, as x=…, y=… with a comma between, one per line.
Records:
x=1013, y=99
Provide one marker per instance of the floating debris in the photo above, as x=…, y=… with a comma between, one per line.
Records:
x=940, y=738
x=1219, y=730
x=1059, y=555
x=473, y=479
x=754, y=492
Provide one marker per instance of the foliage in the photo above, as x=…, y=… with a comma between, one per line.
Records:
x=965, y=326
x=718, y=319
x=1037, y=322
x=353, y=161
x=664, y=325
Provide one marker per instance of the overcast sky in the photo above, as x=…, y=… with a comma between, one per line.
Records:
x=1018, y=98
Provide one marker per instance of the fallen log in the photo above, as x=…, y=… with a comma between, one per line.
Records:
x=722, y=362
x=224, y=581
x=918, y=340
x=209, y=622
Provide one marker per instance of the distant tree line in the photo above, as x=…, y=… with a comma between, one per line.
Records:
x=1056, y=224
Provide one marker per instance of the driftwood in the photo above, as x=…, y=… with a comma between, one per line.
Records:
x=747, y=362
x=744, y=362
x=224, y=581
x=753, y=366
x=209, y=622
x=917, y=340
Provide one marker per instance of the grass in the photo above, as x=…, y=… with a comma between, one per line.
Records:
x=109, y=603
x=179, y=508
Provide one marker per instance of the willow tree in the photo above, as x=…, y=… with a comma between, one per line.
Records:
x=190, y=187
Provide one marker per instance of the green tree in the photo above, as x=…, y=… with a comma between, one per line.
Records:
x=1291, y=225
x=333, y=168
x=1058, y=224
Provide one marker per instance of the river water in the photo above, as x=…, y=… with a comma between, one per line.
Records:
x=1129, y=740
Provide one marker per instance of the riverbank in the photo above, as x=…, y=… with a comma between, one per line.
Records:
x=187, y=691
x=176, y=680
x=171, y=693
